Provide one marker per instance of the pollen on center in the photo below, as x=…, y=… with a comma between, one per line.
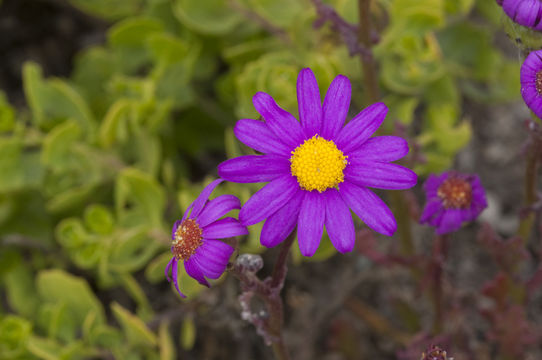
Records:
x=318, y=164
x=187, y=239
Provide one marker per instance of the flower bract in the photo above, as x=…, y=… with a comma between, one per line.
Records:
x=318, y=168
x=531, y=82
x=195, y=237
x=452, y=199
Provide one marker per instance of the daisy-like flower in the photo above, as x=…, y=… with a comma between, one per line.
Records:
x=524, y=12
x=531, y=81
x=452, y=199
x=317, y=168
x=195, y=237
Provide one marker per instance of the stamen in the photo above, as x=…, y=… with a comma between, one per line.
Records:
x=318, y=164
x=187, y=239
x=455, y=193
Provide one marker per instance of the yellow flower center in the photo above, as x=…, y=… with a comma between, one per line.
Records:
x=187, y=239
x=318, y=164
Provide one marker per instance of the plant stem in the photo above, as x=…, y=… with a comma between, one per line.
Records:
x=367, y=60
x=439, y=257
x=531, y=165
x=270, y=327
x=368, y=64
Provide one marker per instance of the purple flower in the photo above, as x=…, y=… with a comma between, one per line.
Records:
x=195, y=237
x=524, y=12
x=317, y=168
x=531, y=82
x=452, y=198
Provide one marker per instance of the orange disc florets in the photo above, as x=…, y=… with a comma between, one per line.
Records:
x=538, y=82
x=455, y=193
x=187, y=239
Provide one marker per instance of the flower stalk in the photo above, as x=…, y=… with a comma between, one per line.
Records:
x=367, y=60
x=269, y=324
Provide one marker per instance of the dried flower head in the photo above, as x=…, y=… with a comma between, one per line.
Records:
x=452, y=198
x=195, y=237
x=317, y=168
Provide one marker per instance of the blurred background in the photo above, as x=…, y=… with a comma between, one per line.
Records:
x=115, y=114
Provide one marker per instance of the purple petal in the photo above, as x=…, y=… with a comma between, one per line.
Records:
x=212, y=258
x=369, y=207
x=311, y=222
x=175, y=226
x=224, y=228
x=336, y=104
x=309, y=103
x=380, y=175
x=362, y=126
x=282, y=123
x=381, y=148
x=175, y=274
x=168, y=267
x=279, y=225
x=194, y=271
x=217, y=208
x=254, y=168
x=257, y=135
x=432, y=207
x=268, y=200
x=527, y=12
x=451, y=221
x=339, y=223
x=199, y=203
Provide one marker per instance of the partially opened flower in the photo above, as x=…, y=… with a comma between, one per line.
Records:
x=452, y=199
x=531, y=81
x=195, y=237
x=318, y=169
x=524, y=12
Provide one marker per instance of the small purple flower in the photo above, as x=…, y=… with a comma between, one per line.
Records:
x=317, y=168
x=524, y=12
x=195, y=237
x=531, y=82
x=452, y=198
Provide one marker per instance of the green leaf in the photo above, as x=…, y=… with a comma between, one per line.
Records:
x=133, y=32
x=15, y=333
x=114, y=124
x=99, y=219
x=167, y=347
x=20, y=169
x=281, y=13
x=132, y=249
x=20, y=290
x=135, y=330
x=57, y=286
x=54, y=101
x=154, y=272
x=188, y=333
x=212, y=17
x=7, y=114
x=57, y=150
x=139, y=199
